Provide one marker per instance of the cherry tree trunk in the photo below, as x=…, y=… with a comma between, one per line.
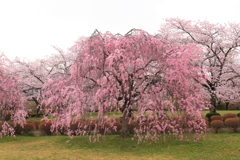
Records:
x=213, y=103
x=126, y=114
x=227, y=105
x=38, y=107
x=125, y=132
x=1, y=116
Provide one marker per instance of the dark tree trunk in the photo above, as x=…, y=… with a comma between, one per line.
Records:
x=1, y=116
x=127, y=113
x=213, y=103
x=125, y=132
x=227, y=104
x=38, y=107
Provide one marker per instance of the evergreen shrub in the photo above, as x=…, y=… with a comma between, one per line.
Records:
x=209, y=115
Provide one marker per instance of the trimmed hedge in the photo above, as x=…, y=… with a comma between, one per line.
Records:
x=28, y=127
x=45, y=127
x=233, y=123
x=229, y=115
x=217, y=125
x=216, y=117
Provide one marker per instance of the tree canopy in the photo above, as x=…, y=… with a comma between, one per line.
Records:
x=134, y=71
x=11, y=97
x=219, y=57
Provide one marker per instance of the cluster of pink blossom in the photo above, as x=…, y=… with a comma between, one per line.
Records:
x=11, y=98
x=219, y=59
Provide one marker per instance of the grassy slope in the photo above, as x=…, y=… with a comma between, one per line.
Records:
x=214, y=146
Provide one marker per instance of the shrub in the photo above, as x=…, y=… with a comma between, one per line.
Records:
x=118, y=120
x=76, y=126
x=209, y=115
x=29, y=127
x=216, y=117
x=238, y=114
x=79, y=126
x=217, y=125
x=229, y=115
x=131, y=126
x=182, y=121
x=36, y=123
x=91, y=126
x=117, y=126
x=144, y=126
x=17, y=128
x=233, y=123
x=45, y=127
x=206, y=121
x=103, y=128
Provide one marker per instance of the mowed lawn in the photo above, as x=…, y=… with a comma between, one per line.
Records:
x=222, y=112
x=222, y=146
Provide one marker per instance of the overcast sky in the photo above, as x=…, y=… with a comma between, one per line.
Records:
x=28, y=28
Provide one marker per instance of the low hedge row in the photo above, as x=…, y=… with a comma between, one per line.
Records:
x=230, y=120
x=28, y=127
x=214, y=120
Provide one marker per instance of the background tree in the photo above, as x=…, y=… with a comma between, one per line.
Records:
x=34, y=74
x=219, y=59
x=124, y=72
x=11, y=98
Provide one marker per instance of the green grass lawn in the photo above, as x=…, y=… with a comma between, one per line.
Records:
x=222, y=112
x=220, y=146
x=224, y=145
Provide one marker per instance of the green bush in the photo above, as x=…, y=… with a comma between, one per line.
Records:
x=238, y=114
x=209, y=115
x=229, y=115
x=45, y=127
x=233, y=123
x=217, y=125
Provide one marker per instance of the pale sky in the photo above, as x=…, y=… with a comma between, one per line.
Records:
x=28, y=28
